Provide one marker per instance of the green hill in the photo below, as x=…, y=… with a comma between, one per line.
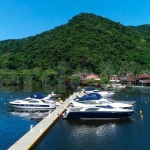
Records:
x=86, y=41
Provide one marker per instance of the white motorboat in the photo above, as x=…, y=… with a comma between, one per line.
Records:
x=36, y=101
x=97, y=112
x=104, y=94
x=96, y=99
x=32, y=103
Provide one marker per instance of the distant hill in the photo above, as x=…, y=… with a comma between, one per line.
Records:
x=143, y=29
x=86, y=41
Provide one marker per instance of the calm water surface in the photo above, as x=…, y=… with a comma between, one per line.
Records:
x=126, y=134
x=14, y=123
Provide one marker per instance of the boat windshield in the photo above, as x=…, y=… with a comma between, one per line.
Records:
x=105, y=102
x=90, y=88
x=27, y=100
x=89, y=109
x=108, y=106
x=111, y=101
x=92, y=96
x=33, y=101
x=43, y=101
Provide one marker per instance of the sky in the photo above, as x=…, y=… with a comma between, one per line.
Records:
x=23, y=18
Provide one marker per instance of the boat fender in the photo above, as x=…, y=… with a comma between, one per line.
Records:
x=61, y=101
x=141, y=114
x=60, y=116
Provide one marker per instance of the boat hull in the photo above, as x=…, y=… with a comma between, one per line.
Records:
x=23, y=106
x=98, y=115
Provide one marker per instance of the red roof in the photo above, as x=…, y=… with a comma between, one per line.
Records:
x=90, y=76
x=146, y=76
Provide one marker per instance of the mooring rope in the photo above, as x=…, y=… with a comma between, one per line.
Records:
x=137, y=113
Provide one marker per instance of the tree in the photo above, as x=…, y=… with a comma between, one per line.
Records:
x=90, y=82
x=75, y=82
x=49, y=77
x=104, y=80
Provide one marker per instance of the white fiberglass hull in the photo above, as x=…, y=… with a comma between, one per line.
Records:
x=106, y=94
x=33, y=107
x=100, y=103
x=21, y=104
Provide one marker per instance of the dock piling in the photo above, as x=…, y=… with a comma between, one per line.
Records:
x=41, y=129
x=31, y=128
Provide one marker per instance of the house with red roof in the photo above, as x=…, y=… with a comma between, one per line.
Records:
x=89, y=76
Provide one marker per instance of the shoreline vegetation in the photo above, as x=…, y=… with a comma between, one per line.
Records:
x=28, y=78
x=86, y=44
x=51, y=77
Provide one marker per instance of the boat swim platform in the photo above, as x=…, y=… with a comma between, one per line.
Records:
x=31, y=138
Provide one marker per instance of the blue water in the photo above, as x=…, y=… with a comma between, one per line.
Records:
x=14, y=123
x=125, y=134
x=131, y=133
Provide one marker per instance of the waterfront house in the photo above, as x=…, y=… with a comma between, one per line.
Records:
x=143, y=79
x=90, y=76
x=114, y=79
x=130, y=79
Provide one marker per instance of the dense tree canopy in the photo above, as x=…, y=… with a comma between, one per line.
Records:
x=87, y=41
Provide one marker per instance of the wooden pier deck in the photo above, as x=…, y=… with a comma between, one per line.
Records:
x=35, y=134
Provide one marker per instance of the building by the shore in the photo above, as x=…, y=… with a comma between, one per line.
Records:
x=141, y=80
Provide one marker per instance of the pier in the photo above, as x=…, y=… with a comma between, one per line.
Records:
x=30, y=139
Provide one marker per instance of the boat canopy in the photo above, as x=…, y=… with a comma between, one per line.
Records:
x=90, y=88
x=91, y=96
x=94, y=94
x=37, y=95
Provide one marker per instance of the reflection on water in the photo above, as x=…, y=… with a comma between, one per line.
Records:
x=96, y=128
x=14, y=123
x=99, y=122
x=125, y=134
x=85, y=134
x=33, y=114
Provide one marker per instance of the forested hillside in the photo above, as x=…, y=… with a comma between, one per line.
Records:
x=86, y=42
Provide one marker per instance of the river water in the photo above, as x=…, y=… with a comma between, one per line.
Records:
x=125, y=134
x=14, y=123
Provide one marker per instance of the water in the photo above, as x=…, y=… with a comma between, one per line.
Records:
x=14, y=123
x=125, y=134
x=131, y=133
